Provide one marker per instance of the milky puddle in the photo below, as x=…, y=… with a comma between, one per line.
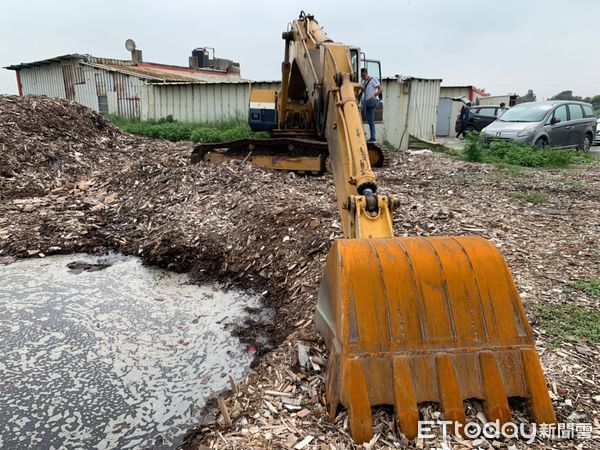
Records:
x=123, y=357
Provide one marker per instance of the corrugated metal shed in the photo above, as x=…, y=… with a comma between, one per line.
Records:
x=207, y=102
x=155, y=91
x=422, y=108
x=410, y=107
x=106, y=85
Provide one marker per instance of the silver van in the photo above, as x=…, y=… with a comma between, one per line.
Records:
x=557, y=123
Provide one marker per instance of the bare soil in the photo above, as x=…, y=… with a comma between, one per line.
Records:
x=71, y=182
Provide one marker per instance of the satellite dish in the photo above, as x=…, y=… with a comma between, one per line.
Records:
x=130, y=45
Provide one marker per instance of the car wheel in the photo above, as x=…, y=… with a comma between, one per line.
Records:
x=541, y=143
x=586, y=143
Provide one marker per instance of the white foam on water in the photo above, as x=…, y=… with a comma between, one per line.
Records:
x=124, y=357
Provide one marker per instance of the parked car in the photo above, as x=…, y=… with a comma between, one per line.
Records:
x=556, y=123
x=480, y=116
x=597, y=138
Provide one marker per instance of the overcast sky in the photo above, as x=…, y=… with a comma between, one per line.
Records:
x=503, y=46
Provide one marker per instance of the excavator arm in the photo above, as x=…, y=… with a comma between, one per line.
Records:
x=319, y=79
x=406, y=320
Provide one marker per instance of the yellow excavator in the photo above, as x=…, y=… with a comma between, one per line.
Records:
x=295, y=116
x=412, y=319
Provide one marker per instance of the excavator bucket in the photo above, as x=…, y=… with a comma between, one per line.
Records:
x=438, y=319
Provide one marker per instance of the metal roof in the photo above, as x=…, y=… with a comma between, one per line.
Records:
x=145, y=73
x=151, y=72
x=409, y=78
x=458, y=87
x=42, y=62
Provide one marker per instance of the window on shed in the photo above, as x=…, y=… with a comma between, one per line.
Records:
x=103, y=104
x=576, y=112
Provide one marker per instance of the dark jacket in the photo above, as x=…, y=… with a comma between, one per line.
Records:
x=464, y=114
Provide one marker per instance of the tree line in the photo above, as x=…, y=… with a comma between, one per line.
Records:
x=564, y=95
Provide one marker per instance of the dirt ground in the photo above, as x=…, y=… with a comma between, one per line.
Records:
x=71, y=182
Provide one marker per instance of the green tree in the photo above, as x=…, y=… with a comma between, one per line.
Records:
x=566, y=95
x=595, y=101
x=529, y=97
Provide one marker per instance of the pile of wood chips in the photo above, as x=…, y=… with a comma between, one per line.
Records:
x=71, y=182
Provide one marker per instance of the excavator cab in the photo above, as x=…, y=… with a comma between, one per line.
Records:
x=373, y=69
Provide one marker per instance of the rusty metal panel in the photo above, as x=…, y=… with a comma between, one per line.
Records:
x=69, y=81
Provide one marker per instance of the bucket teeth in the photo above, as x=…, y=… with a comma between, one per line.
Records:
x=405, y=401
x=539, y=400
x=450, y=396
x=359, y=406
x=412, y=320
x=496, y=401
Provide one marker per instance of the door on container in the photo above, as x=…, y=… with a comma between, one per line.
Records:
x=443, y=117
x=374, y=69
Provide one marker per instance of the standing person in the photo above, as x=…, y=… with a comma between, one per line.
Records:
x=501, y=110
x=463, y=118
x=372, y=91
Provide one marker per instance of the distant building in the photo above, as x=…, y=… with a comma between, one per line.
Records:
x=448, y=110
x=113, y=86
x=207, y=90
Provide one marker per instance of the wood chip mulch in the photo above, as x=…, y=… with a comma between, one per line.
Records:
x=72, y=182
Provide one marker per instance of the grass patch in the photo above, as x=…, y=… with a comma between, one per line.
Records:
x=465, y=179
x=173, y=130
x=590, y=286
x=535, y=197
x=509, y=172
x=576, y=185
x=571, y=322
x=505, y=154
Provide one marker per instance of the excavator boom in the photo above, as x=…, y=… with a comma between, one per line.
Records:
x=407, y=320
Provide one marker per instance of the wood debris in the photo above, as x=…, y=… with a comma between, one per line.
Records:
x=71, y=182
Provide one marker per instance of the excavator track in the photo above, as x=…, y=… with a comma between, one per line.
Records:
x=295, y=154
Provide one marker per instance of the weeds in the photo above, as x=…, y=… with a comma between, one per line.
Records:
x=576, y=185
x=590, y=286
x=509, y=172
x=509, y=153
x=534, y=197
x=173, y=130
x=571, y=322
